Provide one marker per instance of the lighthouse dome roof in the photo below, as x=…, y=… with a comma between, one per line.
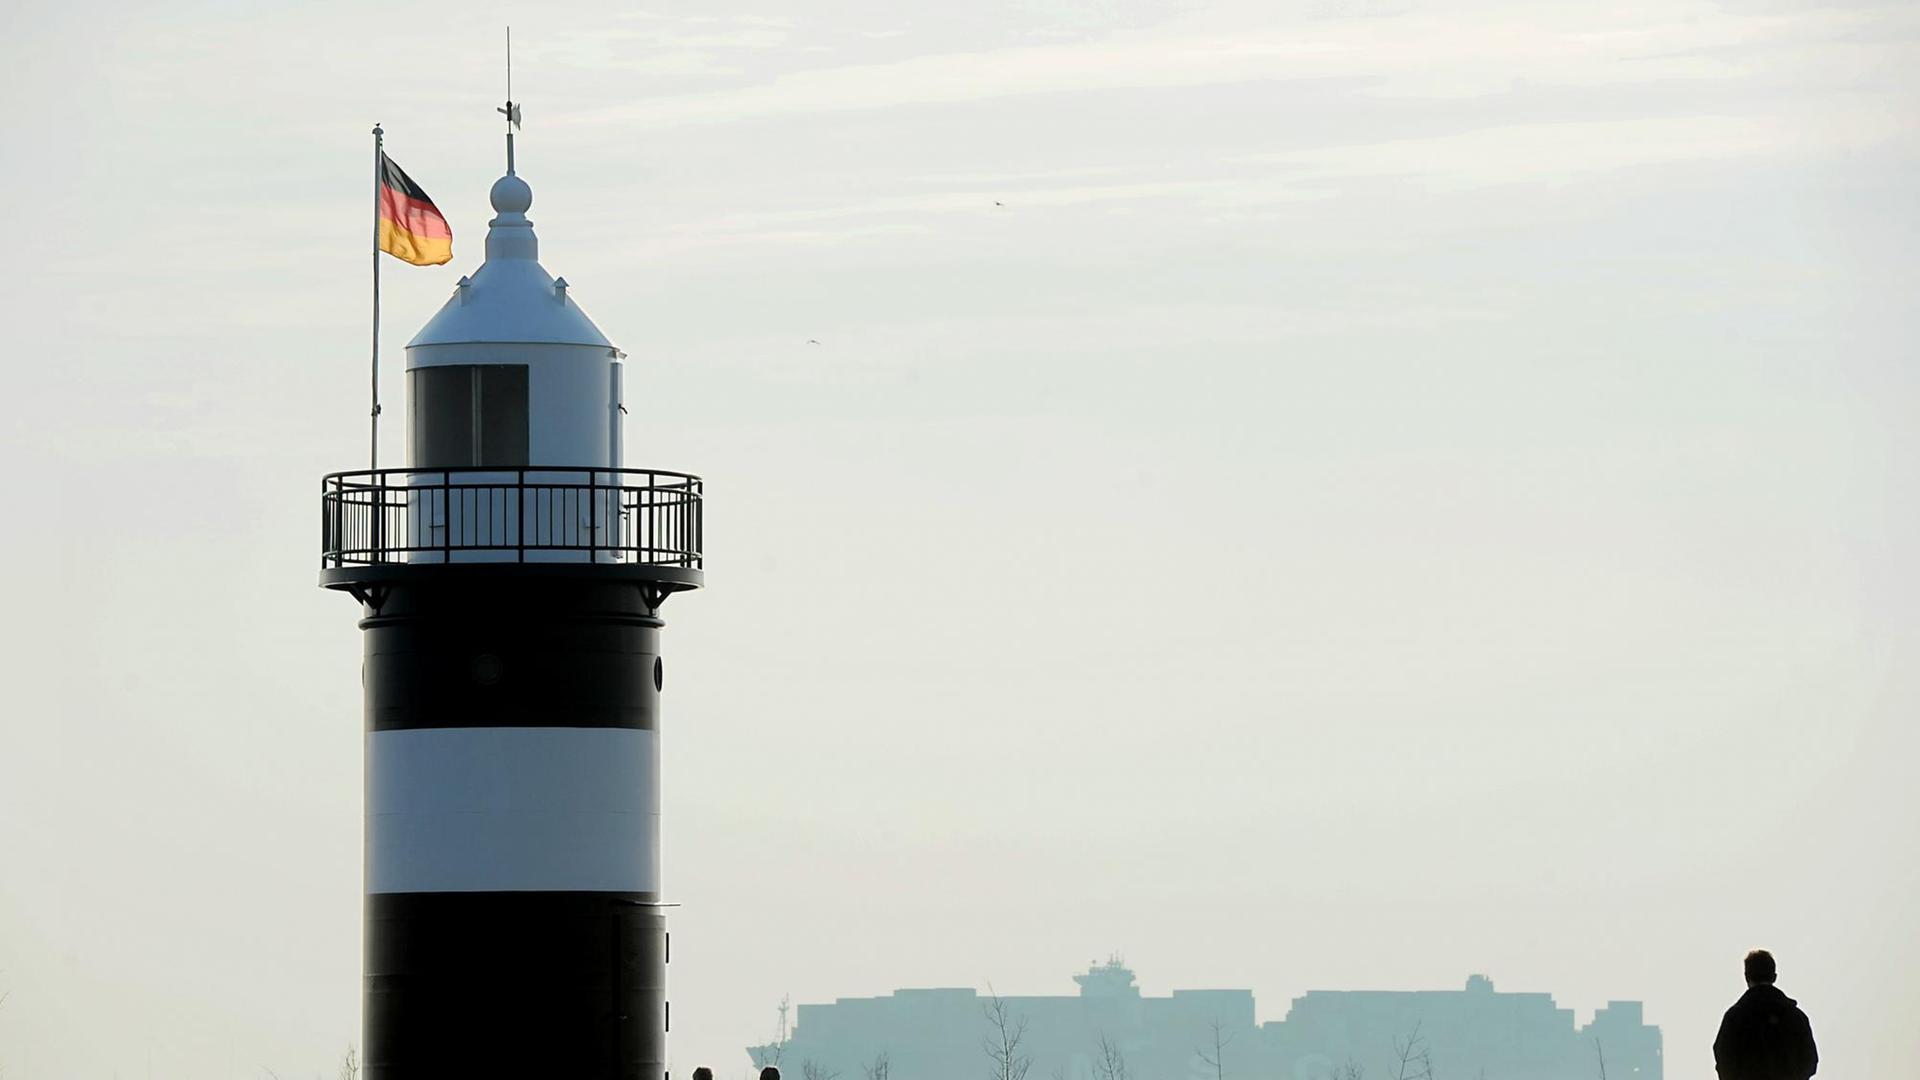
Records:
x=511, y=298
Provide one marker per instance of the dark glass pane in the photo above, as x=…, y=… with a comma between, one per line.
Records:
x=442, y=403
x=503, y=414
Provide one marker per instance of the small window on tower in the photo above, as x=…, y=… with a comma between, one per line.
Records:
x=469, y=414
x=502, y=397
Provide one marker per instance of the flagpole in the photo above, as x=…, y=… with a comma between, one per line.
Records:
x=374, y=448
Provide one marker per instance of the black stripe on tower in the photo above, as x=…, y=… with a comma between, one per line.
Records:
x=471, y=985
x=543, y=653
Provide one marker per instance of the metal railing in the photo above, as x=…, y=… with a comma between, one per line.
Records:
x=642, y=517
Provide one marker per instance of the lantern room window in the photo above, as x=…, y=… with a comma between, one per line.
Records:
x=469, y=414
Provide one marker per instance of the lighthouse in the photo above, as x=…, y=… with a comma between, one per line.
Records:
x=511, y=579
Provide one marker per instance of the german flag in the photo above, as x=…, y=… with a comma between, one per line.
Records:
x=411, y=227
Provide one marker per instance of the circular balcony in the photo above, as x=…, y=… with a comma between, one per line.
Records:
x=388, y=525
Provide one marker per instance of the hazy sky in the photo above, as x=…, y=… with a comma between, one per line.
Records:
x=1398, y=490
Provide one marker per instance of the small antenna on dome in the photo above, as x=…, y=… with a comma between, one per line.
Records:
x=510, y=110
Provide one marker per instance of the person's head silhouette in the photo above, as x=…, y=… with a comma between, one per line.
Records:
x=771, y=1072
x=1760, y=968
x=703, y=1073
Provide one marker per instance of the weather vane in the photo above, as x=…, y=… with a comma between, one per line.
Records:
x=510, y=110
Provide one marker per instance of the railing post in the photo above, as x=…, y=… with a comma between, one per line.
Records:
x=341, y=543
x=446, y=516
x=402, y=510
x=377, y=496
x=520, y=526
x=333, y=543
x=381, y=532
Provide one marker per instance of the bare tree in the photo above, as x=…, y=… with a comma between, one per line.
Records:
x=1414, y=1061
x=1005, y=1031
x=1352, y=1070
x=1111, y=1064
x=879, y=1068
x=1215, y=1060
x=810, y=1070
x=350, y=1064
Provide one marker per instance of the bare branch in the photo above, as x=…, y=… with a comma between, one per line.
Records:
x=1215, y=1060
x=1005, y=1031
x=1111, y=1064
x=1414, y=1061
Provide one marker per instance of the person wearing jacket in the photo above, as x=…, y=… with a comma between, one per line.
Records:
x=1764, y=1036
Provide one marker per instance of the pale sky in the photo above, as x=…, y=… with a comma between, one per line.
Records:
x=1397, y=490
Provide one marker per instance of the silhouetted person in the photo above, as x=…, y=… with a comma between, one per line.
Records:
x=1764, y=1036
x=703, y=1073
x=771, y=1072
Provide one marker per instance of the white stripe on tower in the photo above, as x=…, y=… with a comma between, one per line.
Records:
x=513, y=809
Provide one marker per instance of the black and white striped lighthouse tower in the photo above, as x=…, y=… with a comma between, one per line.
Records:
x=511, y=579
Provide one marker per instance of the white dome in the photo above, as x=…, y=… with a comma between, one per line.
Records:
x=510, y=195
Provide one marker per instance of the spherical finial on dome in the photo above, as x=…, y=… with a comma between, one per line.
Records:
x=510, y=195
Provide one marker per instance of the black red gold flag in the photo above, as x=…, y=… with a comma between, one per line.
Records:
x=412, y=229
